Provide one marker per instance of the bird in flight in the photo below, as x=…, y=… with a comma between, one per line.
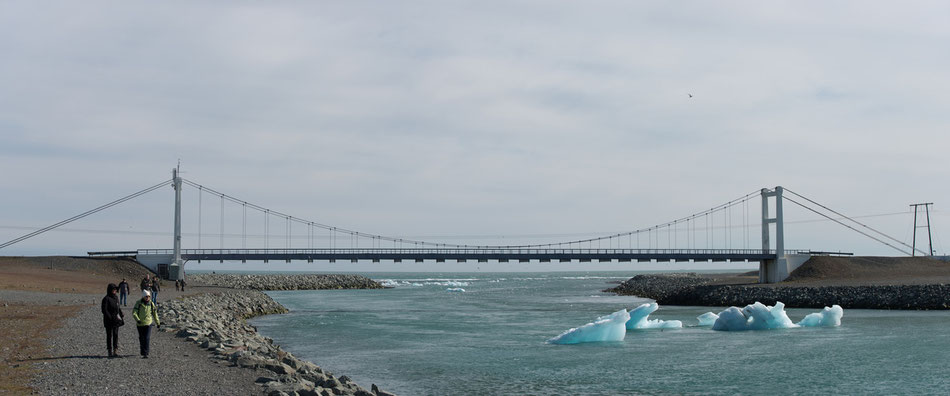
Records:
x=690, y=95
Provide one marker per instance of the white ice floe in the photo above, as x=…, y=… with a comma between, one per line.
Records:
x=707, y=319
x=400, y=283
x=606, y=328
x=455, y=290
x=388, y=283
x=759, y=316
x=828, y=317
x=639, y=319
x=448, y=283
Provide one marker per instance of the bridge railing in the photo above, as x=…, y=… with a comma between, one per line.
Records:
x=467, y=251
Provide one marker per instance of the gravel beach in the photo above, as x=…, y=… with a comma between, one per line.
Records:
x=53, y=340
x=77, y=364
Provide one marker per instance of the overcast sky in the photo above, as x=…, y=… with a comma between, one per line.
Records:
x=483, y=121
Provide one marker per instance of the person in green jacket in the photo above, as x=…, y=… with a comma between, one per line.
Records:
x=145, y=313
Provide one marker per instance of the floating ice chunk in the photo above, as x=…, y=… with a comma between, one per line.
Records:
x=707, y=319
x=455, y=289
x=828, y=317
x=731, y=319
x=756, y=316
x=639, y=315
x=606, y=328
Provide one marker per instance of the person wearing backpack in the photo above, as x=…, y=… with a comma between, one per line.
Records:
x=112, y=318
x=145, y=313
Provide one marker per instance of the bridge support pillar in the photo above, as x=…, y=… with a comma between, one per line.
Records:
x=176, y=270
x=772, y=271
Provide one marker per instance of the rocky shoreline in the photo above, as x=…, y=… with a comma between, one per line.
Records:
x=216, y=322
x=691, y=289
x=285, y=282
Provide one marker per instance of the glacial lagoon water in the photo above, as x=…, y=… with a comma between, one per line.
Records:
x=428, y=337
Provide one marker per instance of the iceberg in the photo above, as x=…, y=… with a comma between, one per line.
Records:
x=756, y=316
x=606, y=328
x=707, y=319
x=639, y=315
x=828, y=317
x=759, y=316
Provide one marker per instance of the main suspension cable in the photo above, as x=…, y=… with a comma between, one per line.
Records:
x=853, y=220
x=358, y=234
x=846, y=225
x=84, y=214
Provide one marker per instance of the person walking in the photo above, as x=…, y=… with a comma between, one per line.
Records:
x=146, y=283
x=123, y=292
x=112, y=318
x=182, y=284
x=177, y=285
x=145, y=313
x=156, y=287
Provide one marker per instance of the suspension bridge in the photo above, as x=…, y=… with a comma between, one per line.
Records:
x=693, y=238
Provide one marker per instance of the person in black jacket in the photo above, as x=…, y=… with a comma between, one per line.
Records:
x=123, y=292
x=112, y=318
x=156, y=287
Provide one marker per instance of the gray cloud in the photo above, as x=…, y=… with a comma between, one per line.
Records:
x=482, y=118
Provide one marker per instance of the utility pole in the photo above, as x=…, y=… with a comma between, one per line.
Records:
x=913, y=249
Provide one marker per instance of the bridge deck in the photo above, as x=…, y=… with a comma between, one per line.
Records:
x=458, y=254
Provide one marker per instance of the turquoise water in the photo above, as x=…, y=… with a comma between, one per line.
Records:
x=490, y=339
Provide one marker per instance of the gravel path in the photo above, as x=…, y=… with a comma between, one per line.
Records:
x=78, y=364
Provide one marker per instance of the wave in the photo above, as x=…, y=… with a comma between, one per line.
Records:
x=415, y=283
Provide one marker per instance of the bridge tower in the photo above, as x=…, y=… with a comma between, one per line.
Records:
x=771, y=271
x=176, y=270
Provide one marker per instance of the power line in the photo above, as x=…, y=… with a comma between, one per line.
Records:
x=839, y=222
x=854, y=221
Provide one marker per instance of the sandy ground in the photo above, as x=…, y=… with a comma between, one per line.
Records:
x=854, y=271
x=870, y=271
x=66, y=274
x=37, y=295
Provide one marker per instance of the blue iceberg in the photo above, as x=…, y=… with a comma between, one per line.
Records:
x=639, y=319
x=828, y=317
x=759, y=316
x=707, y=319
x=606, y=328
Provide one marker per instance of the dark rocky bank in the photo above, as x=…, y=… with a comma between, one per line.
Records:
x=285, y=282
x=692, y=289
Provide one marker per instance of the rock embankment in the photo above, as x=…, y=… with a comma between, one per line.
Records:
x=687, y=289
x=658, y=287
x=285, y=282
x=216, y=322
